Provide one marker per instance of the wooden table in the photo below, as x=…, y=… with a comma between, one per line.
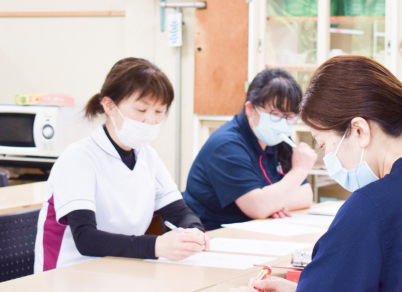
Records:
x=21, y=197
x=122, y=274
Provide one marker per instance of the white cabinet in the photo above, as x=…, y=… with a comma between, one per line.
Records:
x=299, y=35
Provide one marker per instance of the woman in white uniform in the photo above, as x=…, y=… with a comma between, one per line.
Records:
x=103, y=190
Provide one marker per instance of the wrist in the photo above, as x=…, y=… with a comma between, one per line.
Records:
x=157, y=247
x=298, y=174
x=299, y=171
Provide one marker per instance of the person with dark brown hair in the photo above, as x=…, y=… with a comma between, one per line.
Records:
x=103, y=190
x=245, y=170
x=353, y=106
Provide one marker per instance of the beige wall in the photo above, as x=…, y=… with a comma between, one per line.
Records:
x=73, y=56
x=146, y=14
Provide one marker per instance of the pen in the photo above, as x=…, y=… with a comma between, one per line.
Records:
x=263, y=273
x=287, y=140
x=173, y=227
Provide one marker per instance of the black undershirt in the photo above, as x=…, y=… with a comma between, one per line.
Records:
x=93, y=242
x=128, y=157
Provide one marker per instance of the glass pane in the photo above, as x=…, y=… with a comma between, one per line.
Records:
x=292, y=37
x=16, y=130
x=358, y=28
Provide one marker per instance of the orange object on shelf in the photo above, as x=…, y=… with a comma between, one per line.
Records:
x=27, y=99
x=56, y=99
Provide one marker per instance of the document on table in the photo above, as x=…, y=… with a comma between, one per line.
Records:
x=250, y=246
x=272, y=227
x=307, y=220
x=330, y=210
x=219, y=260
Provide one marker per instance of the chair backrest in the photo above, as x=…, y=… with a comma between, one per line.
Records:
x=17, y=244
x=3, y=179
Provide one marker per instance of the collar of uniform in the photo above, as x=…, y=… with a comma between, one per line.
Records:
x=250, y=136
x=100, y=138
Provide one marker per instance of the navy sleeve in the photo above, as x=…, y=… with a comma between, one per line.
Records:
x=231, y=173
x=180, y=215
x=305, y=182
x=93, y=242
x=349, y=256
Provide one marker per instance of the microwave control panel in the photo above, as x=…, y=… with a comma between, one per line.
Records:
x=48, y=132
x=48, y=128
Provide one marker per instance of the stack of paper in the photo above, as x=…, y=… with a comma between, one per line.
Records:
x=307, y=220
x=330, y=210
x=272, y=227
x=261, y=247
x=219, y=260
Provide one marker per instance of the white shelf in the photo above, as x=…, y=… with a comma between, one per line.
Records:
x=346, y=31
x=294, y=67
x=318, y=172
x=332, y=18
x=28, y=159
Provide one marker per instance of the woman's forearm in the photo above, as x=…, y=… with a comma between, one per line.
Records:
x=262, y=203
x=93, y=242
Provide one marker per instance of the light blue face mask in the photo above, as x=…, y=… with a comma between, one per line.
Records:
x=353, y=179
x=268, y=131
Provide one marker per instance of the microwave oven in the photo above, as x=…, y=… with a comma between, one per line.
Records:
x=43, y=131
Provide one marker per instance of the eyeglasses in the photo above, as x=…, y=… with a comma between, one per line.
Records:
x=276, y=116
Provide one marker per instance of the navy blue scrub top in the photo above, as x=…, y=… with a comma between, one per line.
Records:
x=362, y=249
x=230, y=164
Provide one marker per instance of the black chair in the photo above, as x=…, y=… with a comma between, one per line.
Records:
x=3, y=179
x=17, y=244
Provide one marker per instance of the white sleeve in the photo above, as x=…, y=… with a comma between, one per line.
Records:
x=74, y=183
x=166, y=188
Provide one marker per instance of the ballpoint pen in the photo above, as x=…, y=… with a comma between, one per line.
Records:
x=287, y=140
x=173, y=227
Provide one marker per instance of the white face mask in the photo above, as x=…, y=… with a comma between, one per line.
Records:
x=135, y=134
x=268, y=131
x=353, y=179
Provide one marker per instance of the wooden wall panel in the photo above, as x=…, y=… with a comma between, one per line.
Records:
x=221, y=46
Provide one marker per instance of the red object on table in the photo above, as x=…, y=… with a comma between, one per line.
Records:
x=293, y=276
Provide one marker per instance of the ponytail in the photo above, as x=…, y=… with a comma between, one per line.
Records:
x=94, y=107
x=131, y=75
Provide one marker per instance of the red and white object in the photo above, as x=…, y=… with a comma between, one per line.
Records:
x=56, y=99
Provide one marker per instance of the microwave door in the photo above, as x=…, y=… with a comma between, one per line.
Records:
x=17, y=133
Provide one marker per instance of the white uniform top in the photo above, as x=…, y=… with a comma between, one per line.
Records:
x=91, y=175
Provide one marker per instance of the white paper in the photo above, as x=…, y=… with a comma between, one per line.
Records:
x=307, y=220
x=271, y=227
x=262, y=247
x=330, y=210
x=219, y=260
